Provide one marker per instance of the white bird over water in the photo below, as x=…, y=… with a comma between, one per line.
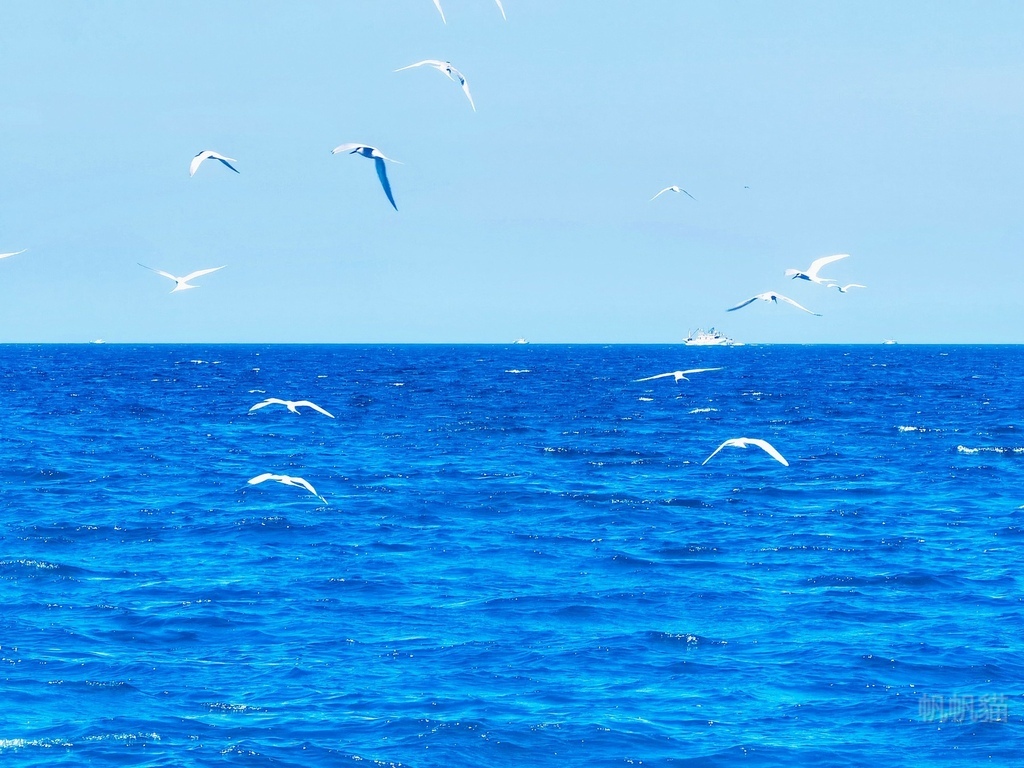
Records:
x=13, y=253
x=181, y=283
x=772, y=296
x=446, y=68
x=811, y=272
x=674, y=188
x=743, y=442
x=378, y=158
x=292, y=405
x=297, y=482
x=678, y=375
x=210, y=154
x=845, y=288
x=437, y=4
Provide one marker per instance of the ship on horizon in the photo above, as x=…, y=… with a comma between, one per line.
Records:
x=709, y=338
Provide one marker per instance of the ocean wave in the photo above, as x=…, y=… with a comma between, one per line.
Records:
x=704, y=410
x=1004, y=450
x=911, y=429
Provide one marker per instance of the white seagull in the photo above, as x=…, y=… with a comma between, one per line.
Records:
x=845, y=288
x=674, y=188
x=293, y=405
x=437, y=4
x=297, y=482
x=812, y=271
x=743, y=442
x=181, y=283
x=679, y=375
x=13, y=253
x=446, y=68
x=378, y=158
x=772, y=296
x=198, y=159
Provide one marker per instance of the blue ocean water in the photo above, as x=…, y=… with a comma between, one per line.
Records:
x=521, y=557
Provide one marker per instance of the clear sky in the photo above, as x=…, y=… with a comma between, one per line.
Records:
x=891, y=131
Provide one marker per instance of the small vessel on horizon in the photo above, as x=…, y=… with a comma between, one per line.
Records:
x=709, y=338
x=520, y=340
x=888, y=341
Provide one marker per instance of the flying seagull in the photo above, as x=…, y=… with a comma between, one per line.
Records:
x=674, y=188
x=679, y=375
x=181, y=283
x=812, y=271
x=14, y=253
x=293, y=405
x=297, y=482
x=378, y=158
x=198, y=159
x=845, y=288
x=743, y=442
x=446, y=68
x=772, y=296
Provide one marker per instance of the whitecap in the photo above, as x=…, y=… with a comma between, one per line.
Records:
x=704, y=410
x=911, y=429
x=518, y=370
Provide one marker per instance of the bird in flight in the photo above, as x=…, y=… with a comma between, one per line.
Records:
x=845, y=288
x=743, y=442
x=181, y=283
x=293, y=405
x=297, y=482
x=811, y=272
x=678, y=375
x=772, y=296
x=378, y=158
x=446, y=68
x=207, y=154
x=13, y=253
x=674, y=188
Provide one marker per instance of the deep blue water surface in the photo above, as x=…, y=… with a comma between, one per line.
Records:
x=521, y=559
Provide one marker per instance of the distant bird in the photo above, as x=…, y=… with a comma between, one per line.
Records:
x=210, y=154
x=437, y=4
x=181, y=283
x=674, y=188
x=378, y=158
x=845, y=288
x=743, y=442
x=812, y=271
x=293, y=405
x=297, y=482
x=14, y=253
x=446, y=68
x=679, y=375
x=772, y=296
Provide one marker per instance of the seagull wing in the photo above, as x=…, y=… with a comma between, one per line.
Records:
x=346, y=148
x=265, y=403
x=699, y=370
x=15, y=253
x=300, y=482
x=798, y=306
x=768, y=448
x=437, y=4
x=198, y=273
x=751, y=300
x=727, y=442
x=263, y=478
x=845, y=288
x=314, y=406
x=502, y=9
x=465, y=87
x=666, y=189
x=229, y=165
x=159, y=272
x=689, y=195
x=382, y=174
x=426, y=62
x=812, y=271
x=194, y=165
x=659, y=376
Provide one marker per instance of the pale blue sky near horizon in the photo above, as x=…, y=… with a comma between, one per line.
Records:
x=889, y=131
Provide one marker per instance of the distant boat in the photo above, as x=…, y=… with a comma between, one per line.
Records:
x=709, y=338
x=520, y=340
x=97, y=341
x=888, y=341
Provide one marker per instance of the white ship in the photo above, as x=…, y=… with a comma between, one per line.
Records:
x=709, y=338
x=520, y=340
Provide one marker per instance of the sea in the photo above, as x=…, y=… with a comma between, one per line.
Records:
x=516, y=555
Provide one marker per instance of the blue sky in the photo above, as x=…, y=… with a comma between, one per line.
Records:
x=890, y=131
